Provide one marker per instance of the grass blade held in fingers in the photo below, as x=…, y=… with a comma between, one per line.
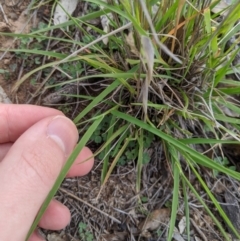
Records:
x=64, y=172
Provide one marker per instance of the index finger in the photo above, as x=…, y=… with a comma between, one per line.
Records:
x=16, y=119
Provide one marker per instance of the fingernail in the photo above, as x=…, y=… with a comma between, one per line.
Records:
x=62, y=133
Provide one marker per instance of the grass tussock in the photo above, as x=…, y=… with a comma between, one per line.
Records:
x=167, y=73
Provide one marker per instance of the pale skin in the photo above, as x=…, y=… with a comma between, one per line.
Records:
x=35, y=142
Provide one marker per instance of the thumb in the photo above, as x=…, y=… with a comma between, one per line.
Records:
x=29, y=170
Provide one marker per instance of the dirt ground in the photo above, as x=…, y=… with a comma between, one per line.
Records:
x=114, y=211
x=13, y=19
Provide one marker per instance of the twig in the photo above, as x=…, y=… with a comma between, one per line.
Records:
x=128, y=25
x=4, y=15
x=198, y=230
x=88, y=204
x=40, y=86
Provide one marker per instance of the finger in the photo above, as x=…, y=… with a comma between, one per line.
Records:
x=80, y=167
x=16, y=119
x=4, y=148
x=83, y=163
x=29, y=170
x=56, y=217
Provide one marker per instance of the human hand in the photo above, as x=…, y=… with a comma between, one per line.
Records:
x=34, y=145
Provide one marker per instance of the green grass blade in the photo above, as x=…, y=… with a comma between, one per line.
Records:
x=84, y=18
x=107, y=148
x=198, y=158
x=117, y=10
x=26, y=76
x=97, y=100
x=64, y=172
x=39, y=52
x=139, y=161
x=115, y=160
x=40, y=38
x=221, y=117
x=120, y=131
x=176, y=166
x=187, y=211
x=206, y=208
x=215, y=202
x=207, y=141
x=167, y=15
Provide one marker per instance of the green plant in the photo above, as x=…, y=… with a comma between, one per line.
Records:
x=3, y=71
x=224, y=162
x=73, y=69
x=84, y=234
x=131, y=152
x=64, y=108
x=169, y=86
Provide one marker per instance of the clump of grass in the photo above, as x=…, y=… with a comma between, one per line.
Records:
x=167, y=81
